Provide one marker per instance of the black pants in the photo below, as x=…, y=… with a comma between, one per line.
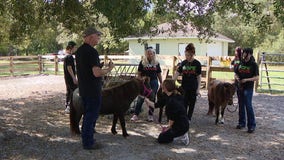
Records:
x=169, y=135
x=70, y=87
x=189, y=102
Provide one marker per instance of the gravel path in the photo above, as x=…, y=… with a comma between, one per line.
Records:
x=33, y=126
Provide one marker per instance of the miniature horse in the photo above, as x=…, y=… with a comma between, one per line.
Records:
x=219, y=95
x=115, y=100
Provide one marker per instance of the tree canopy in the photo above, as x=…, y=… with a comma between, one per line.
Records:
x=30, y=23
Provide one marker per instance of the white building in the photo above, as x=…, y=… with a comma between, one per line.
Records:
x=167, y=42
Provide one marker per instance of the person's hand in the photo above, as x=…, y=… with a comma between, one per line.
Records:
x=146, y=100
x=244, y=80
x=198, y=93
x=164, y=128
x=237, y=78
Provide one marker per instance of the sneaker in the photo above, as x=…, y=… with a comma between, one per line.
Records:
x=182, y=139
x=185, y=139
x=239, y=126
x=150, y=118
x=134, y=118
x=67, y=109
x=177, y=139
x=93, y=147
x=251, y=130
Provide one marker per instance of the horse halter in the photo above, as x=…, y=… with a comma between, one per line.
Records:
x=146, y=91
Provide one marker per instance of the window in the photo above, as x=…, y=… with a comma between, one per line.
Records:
x=156, y=47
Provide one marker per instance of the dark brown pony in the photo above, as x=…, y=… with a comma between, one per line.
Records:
x=220, y=94
x=115, y=100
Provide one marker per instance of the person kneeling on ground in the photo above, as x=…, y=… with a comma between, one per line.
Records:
x=178, y=124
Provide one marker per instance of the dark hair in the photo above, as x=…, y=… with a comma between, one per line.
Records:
x=190, y=48
x=170, y=85
x=239, y=51
x=248, y=50
x=70, y=45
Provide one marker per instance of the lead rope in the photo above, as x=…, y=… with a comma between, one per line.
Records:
x=235, y=106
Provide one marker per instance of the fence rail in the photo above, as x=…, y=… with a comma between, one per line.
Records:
x=125, y=65
x=271, y=72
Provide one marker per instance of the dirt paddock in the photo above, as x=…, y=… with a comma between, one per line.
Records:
x=33, y=126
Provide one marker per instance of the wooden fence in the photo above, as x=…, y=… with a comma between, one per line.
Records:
x=25, y=65
x=125, y=65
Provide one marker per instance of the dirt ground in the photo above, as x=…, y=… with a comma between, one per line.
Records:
x=33, y=125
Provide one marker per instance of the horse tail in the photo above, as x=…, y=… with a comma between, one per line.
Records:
x=74, y=123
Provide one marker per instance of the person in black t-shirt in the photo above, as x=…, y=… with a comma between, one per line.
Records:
x=69, y=73
x=190, y=69
x=246, y=73
x=148, y=67
x=178, y=124
x=90, y=74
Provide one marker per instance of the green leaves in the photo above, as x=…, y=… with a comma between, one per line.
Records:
x=121, y=18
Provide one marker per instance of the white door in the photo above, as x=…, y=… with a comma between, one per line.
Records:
x=214, y=49
x=181, y=48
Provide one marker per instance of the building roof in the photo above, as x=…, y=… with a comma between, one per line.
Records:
x=163, y=31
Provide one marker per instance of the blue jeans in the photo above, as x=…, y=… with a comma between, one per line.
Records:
x=91, y=113
x=154, y=86
x=246, y=109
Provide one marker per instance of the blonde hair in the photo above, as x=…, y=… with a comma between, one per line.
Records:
x=145, y=60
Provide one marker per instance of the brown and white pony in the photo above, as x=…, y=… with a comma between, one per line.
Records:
x=115, y=100
x=220, y=94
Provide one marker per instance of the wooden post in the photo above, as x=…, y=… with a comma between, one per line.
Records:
x=105, y=59
x=56, y=64
x=40, y=64
x=258, y=61
x=11, y=66
x=208, y=71
x=174, y=65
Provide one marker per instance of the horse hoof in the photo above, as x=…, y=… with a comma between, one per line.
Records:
x=221, y=122
x=209, y=114
x=125, y=135
x=113, y=132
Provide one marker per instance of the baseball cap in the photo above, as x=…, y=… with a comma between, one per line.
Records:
x=71, y=43
x=90, y=31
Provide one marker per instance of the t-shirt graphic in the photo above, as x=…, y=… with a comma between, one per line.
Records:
x=244, y=69
x=187, y=70
x=150, y=67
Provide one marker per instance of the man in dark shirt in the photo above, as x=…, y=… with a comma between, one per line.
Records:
x=69, y=73
x=90, y=74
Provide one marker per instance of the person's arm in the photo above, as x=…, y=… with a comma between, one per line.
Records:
x=175, y=76
x=70, y=71
x=255, y=78
x=149, y=102
x=160, y=78
x=170, y=123
x=139, y=74
x=198, y=84
x=99, y=72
